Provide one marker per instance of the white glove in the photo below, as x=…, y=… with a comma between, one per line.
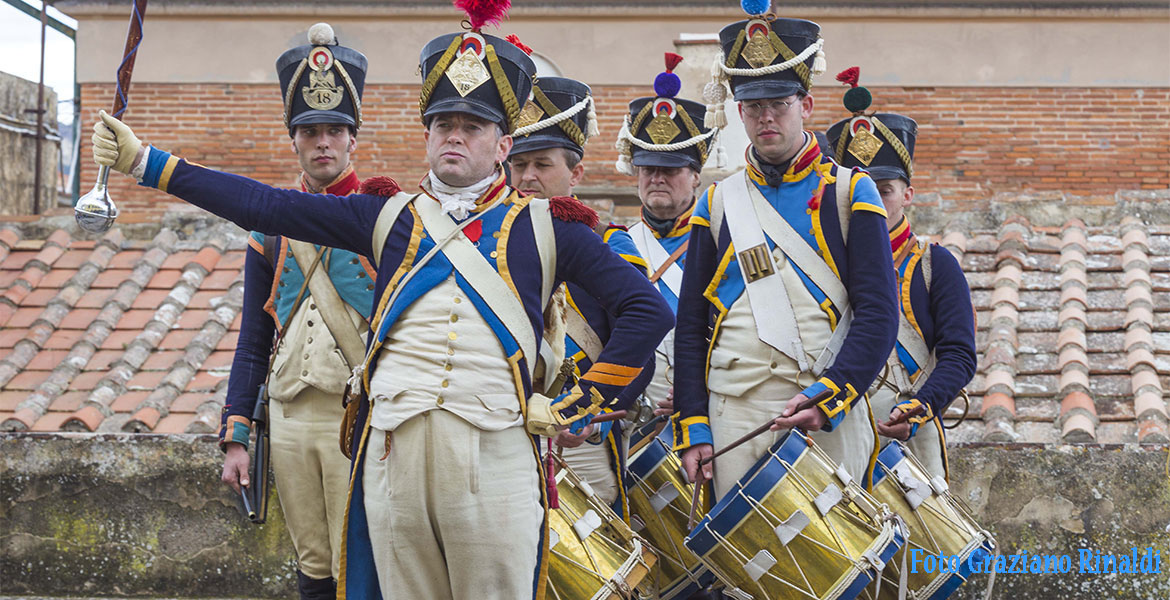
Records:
x=542, y=419
x=115, y=145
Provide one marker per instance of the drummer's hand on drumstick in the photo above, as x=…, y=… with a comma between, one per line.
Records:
x=568, y=439
x=899, y=431
x=808, y=419
x=666, y=407
x=691, y=459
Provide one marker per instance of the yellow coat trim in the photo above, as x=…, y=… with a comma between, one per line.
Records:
x=616, y=369
x=856, y=206
x=833, y=405
x=358, y=459
x=518, y=203
x=818, y=233
x=169, y=169
x=684, y=427
x=607, y=378
x=904, y=293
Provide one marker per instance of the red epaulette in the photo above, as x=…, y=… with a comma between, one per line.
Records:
x=570, y=210
x=616, y=226
x=380, y=186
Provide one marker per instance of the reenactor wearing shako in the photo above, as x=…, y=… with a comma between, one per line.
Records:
x=447, y=497
x=545, y=160
x=934, y=355
x=788, y=290
x=664, y=142
x=319, y=322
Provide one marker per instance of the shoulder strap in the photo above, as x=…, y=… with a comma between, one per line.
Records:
x=271, y=247
x=671, y=260
x=333, y=310
x=771, y=307
x=476, y=270
x=844, y=201
x=386, y=219
x=546, y=245
x=927, y=251
x=664, y=265
x=715, y=199
x=579, y=329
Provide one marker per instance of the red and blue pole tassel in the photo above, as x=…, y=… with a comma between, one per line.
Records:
x=667, y=84
x=483, y=12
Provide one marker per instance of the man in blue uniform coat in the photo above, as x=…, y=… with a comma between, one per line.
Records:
x=788, y=289
x=306, y=380
x=447, y=495
x=934, y=356
x=545, y=161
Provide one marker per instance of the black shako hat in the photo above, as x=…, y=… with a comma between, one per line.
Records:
x=559, y=115
x=477, y=74
x=880, y=143
x=763, y=57
x=663, y=130
x=322, y=81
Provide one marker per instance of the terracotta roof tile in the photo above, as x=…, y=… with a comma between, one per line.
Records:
x=150, y=299
x=165, y=279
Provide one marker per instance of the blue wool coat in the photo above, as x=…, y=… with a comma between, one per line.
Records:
x=712, y=282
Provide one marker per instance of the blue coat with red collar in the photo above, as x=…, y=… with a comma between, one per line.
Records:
x=641, y=317
x=712, y=282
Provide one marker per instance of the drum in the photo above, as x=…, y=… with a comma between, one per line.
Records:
x=660, y=505
x=593, y=555
x=796, y=525
x=939, y=526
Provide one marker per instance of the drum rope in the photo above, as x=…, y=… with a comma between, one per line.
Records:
x=991, y=576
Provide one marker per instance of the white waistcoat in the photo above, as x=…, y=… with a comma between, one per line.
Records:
x=441, y=354
x=308, y=355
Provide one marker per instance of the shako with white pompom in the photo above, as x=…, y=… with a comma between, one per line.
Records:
x=322, y=81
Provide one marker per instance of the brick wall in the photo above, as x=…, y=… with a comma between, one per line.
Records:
x=973, y=143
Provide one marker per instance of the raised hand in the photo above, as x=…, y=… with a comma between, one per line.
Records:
x=115, y=145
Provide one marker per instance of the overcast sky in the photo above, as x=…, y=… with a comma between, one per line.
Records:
x=22, y=40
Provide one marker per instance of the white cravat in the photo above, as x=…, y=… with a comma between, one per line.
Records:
x=459, y=201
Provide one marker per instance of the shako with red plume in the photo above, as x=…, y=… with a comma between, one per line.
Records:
x=475, y=73
x=484, y=12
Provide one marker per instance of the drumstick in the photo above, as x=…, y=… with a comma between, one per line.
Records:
x=808, y=403
x=609, y=416
x=906, y=416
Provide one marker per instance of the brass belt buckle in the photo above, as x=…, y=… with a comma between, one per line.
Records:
x=756, y=263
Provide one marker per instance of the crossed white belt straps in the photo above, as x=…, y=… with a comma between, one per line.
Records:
x=749, y=218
